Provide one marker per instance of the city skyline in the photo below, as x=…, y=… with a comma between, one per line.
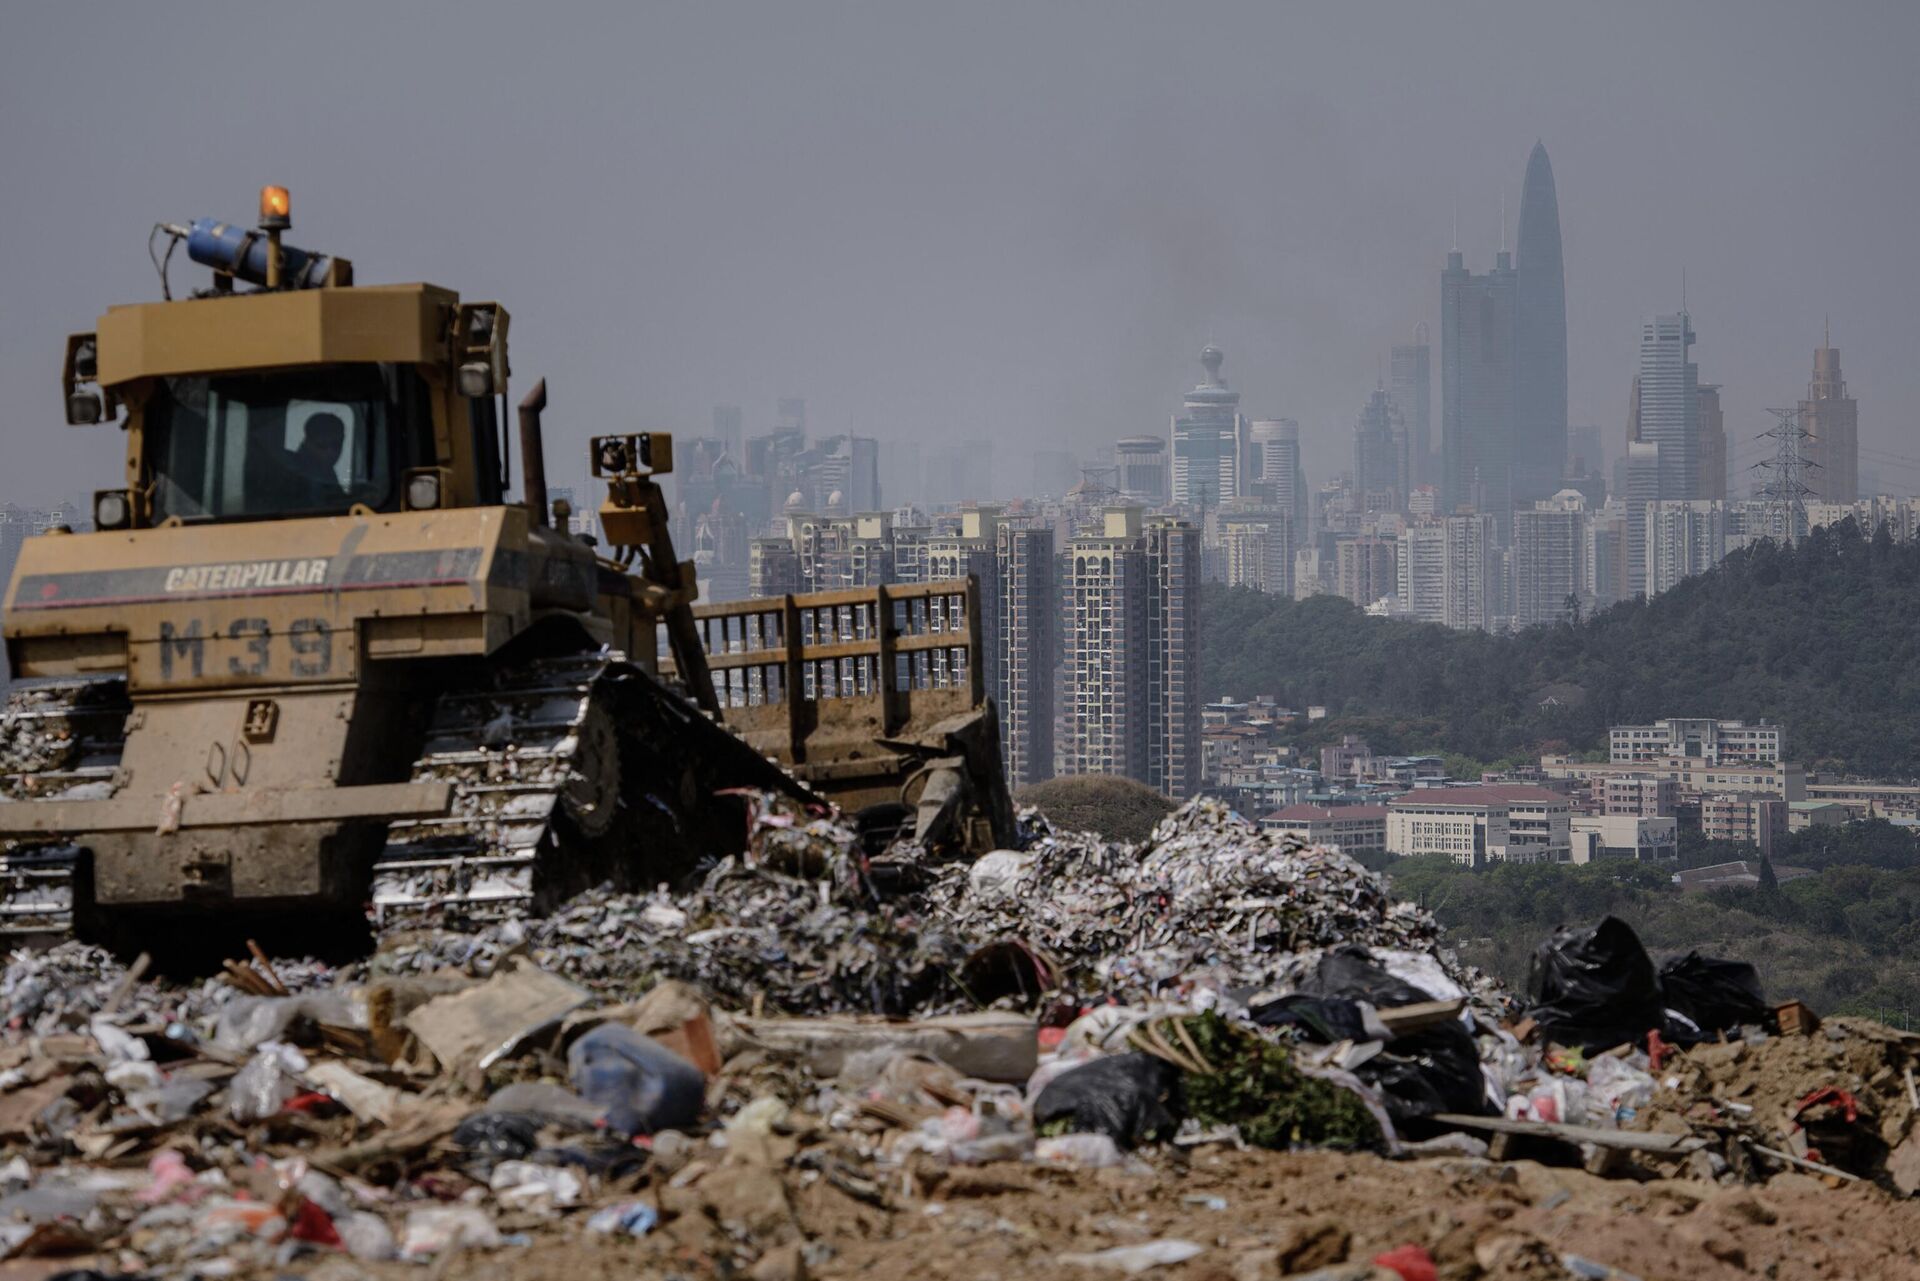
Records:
x=810, y=246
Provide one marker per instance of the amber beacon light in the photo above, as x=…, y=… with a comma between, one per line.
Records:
x=276, y=210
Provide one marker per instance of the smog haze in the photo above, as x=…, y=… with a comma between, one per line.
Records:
x=1014, y=223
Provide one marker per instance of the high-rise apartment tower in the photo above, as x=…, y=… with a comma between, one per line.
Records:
x=1669, y=402
x=1410, y=382
x=1477, y=386
x=1029, y=609
x=1278, y=443
x=1381, y=456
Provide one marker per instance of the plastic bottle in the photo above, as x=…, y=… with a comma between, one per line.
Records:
x=643, y=1085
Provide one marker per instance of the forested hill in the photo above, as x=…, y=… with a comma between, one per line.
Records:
x=1823, y=638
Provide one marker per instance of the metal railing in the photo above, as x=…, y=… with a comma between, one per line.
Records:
x=830, y=668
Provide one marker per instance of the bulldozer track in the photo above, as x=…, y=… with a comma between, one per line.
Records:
x=58, y=741
x=510, y=751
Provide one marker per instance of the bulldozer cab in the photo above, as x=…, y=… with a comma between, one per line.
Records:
x=306, y=443
x=234, y=413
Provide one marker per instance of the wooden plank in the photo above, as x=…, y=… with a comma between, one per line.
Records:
x=1625, y=1140
x=1402, y=1019
x=1803, y=1163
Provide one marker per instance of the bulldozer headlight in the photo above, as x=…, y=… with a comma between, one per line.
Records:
x=476, y=380
x=84, y=408
x=111, y=510
x=423, y=492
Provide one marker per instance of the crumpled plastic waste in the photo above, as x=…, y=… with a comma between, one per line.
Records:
x=434, y=1229
x=1411, y=1262
x=172, y=1178
x=364, y=1235
x=758, y=1119
x=118, y=1045
x=267, y=1083
x=524, y=1184
x=247, y=1022
x=170, y=1101
x=226, y=1218
x=1079, y=1151
x=1132, y=1260
x=1617, y=1088
x=624, y=1218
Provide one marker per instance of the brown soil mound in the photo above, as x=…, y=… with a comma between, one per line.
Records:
x=1117, y=808
x=1284, y=1214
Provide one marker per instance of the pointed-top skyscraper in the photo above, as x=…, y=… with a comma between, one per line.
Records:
x=1832, y=421
x=1540, y=340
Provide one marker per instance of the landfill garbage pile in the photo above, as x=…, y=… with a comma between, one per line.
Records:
x=799, y=924
x=1209, y=899
x=1218, y=1053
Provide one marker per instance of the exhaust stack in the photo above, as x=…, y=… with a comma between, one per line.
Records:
x=533, y=459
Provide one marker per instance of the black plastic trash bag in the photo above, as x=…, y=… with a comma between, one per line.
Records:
x=1131, y=1098
x=1433, y=1070
x=1325, y=1019
x=602, y=1158
x=1716, y=994
x=489, y=1138
x=1594, y=987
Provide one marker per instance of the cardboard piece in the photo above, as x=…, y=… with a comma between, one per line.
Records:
x=483, y=1024
x=988, y=1045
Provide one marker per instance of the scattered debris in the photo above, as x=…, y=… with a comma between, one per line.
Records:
x=802, y=1063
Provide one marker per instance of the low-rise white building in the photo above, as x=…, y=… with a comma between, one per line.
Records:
x=1646, y=838
x=1691, y=775
x=1356, y=829
x=1702, y=738
x=1495, y=823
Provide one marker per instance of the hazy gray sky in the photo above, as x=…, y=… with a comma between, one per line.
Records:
x=1017, y=222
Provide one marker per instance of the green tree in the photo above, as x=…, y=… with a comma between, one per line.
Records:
x=1817, y=637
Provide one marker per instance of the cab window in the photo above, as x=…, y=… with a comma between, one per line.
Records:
x=310, y=443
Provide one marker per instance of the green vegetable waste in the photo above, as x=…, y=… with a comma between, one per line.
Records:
x=1257, y=1086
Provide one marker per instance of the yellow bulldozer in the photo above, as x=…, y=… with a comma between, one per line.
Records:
x=311, y=660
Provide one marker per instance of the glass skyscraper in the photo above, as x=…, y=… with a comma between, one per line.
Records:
x=1476, y=387
x=1540, y=341
x=1207, y=441
x=1669, y=403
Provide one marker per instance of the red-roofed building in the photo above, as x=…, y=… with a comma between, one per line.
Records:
x=1493, y=823
x=1356, y=829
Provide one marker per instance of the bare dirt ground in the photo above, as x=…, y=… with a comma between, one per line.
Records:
x=1284, y=1214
